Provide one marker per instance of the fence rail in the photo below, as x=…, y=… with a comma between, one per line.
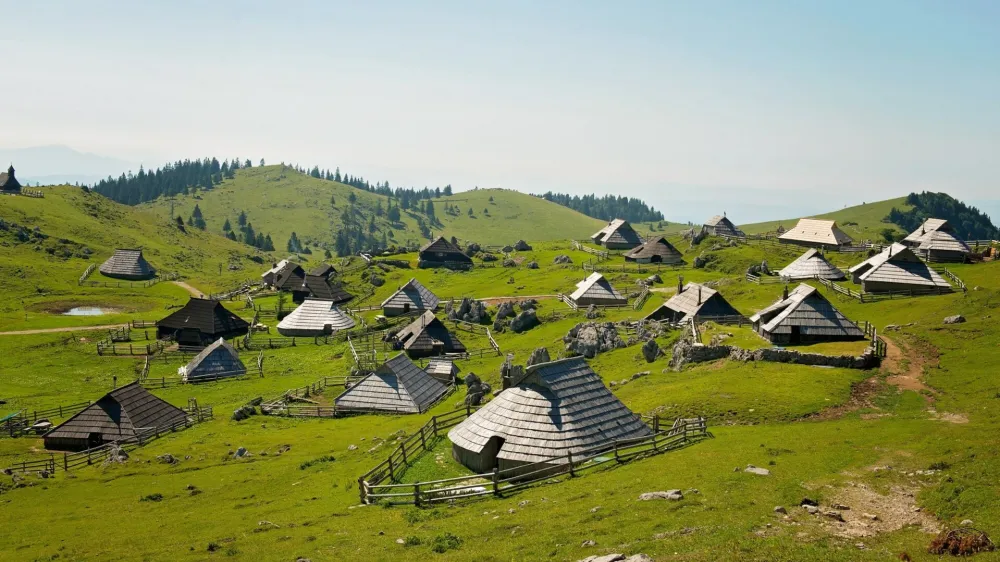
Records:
x=955, y=279
x=641, y=299
x=35, y=193
x=601, y=254
x=878, y=344
x=372, y=488
x=87, y=273
x=118, y=284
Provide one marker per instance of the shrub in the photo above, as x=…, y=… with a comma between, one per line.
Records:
x=412, y=541
x=961, y=542
x=152, y=498
x=445, y=542
x=213, y=546
x=320, y=460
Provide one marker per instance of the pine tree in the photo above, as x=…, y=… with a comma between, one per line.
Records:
x=393, y=214
x=227, y=227
x=242, y=220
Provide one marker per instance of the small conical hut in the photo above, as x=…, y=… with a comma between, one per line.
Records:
x=811, y=265
x=397, y=387
x=217, y=361
x=656, y=250
x=315, y=317
x=127, y=264
x=804, y=316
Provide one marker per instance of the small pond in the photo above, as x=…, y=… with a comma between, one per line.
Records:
x=86, y=311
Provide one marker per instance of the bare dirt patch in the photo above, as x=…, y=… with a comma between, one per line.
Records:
x=873, y=513
x=948, y=417
x=862, y=396
x=906, y=371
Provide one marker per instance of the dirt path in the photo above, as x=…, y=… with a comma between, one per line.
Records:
x=908, y=376
x=62, y=330
x=194, y=292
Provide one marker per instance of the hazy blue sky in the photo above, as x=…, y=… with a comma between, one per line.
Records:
x=754, y=107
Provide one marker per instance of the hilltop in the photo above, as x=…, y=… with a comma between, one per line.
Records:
x=861, y=222
x=280, y=200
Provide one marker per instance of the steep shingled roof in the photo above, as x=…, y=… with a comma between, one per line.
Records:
x=219, y=360
x=398, y=386
x=596, y=286
x=656, y=247
x=807, y=309
x=426, y=333
x=311, y=318
x=127, y=264
x=899, y=265
x=558, y=407
x=442, y=245
x=697, y=300
x=618, y=231
x=816, y=231
x=414, y=294
x=118, y=415
x=205, y=315
x=811, y=265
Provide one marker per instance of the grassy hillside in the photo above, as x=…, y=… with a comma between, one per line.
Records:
x=76, y=229
x=278, y=200
x=861, y=222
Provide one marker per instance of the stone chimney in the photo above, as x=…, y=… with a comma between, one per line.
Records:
x=784, y=294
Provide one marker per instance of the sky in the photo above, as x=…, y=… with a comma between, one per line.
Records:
x=764, y=109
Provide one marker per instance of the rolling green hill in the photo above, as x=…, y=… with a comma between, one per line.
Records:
x=862, y=222
x=279, y=200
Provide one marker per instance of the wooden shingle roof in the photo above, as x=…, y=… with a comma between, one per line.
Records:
x=654, y=247
x=119, y=414
x=558, y=407
x=311, y=318
x=398, y=386
x=722, y=225
x=898, y=264
x=811, y=265
x=275, y=269
x=936, y=235
x=442, y=245
x=618, y=231
x=127, y=263
x=320, y=287
x=323, y=270
x=205, y=315
x=427, y=333
x=218, y=360
x=414, y=294
x=929, y=225
x=290, y=277
x=807, y=309
x=596, y=286
x=817, y=231
x=697, y=300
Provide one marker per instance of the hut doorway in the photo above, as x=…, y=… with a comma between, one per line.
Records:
x=796, y=337
x=94, y=440
x=406, y=308
x=490, y=452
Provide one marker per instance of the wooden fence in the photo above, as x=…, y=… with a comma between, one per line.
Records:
x=372, y=488
x=878, y=344
x=87, y=273
x=35, y=193
x=955, y=279
x=243, y=288
x=602, y=255
x=763, y=279
x=20, y=422
x=629, y=267
x=118, y=284
x=641, y=299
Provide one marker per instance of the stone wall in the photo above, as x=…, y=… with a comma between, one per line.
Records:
x=687, y=352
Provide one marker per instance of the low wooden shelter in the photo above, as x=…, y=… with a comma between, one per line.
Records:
x=397, y=387
x=411, y=297
x=656, y=250
x=440, y=252
x=427, y=336
x=554, y=410
x=119, y=416
x=9, y=183
x=443, y=369
x=596, y=290
x=811, y=265
x=720, y=225
x=315, y=317
x=816, y=233
x=323, y=270
x=898, y=269
x=200, y=322
x=268, y=277
x=289, y=278
x=694, y=301
x=320, y=287
x=804, y=316
x=217, y=361
x=617, y=235
x=127, y=264
x=936, y=241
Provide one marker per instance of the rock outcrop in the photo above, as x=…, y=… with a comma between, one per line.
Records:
x=590, y=338
x=469, y=310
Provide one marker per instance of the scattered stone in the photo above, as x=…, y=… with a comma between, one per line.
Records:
x=539, y=355
x=528, y=304
x=167, y=459
x=780, y=509
x=509, y=263
x=811, y=509
x=469, y=310
x=595, y=509
x=835, y=515
x=400, y=541
x=840, y=506
x=755, y=470
x=956, y=319
x=532, y=265
x=376, y=280
x=590, y=338
x=588, y=543
x=639, y=376
x=673, y=495
x=476, y=390
x=524, y=321
x=562, y=259
x=522, y=246
x=507, y=249
x=966, y=523
x=592, y=312
x=650, y=351
x=352, y=447
x=807, y=501
x=241, y=452
x=870, y=516
x=654, y=279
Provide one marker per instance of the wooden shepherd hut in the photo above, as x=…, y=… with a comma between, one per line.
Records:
x=720, y=225
x=694, y=301
x=323, y=270
x=618, y=235
x=269, y=276
x=412, y=297
x=119, y=415
x=217, y=361
x=935, y=241
x=289, y=278
x=200, y=322
x=898, y=269
x=315, y=317
x=9, y=183
x=555, y=409
x=128, y=265
x=440, y=252
x=397, y=387
x=319, y=287
x=596, y=290
x=443, y=369
x=656, y=250
x=804, y=316
x=811, y=265
x=816, y=233
x=426, y=337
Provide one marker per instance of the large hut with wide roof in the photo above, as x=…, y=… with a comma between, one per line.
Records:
x=128, y=264
x=694, y=300
x=596, y=290
x=220, y=360
x=440, y=252
x=120, y=416
x=554, y=410
x=315, y=317
x=898, y=269
x=816, y=233
x=411, y=297
x=427, y=336
x=200, y=322
x=936, y=241
x=397, y=387
x=617, y=235
x=811, y=265
x=720, y=225
x=804, y=316
x=656, y=250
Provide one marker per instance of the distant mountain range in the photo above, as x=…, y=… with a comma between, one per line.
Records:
x=57, y=164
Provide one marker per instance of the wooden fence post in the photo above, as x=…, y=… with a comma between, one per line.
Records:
x=616, y=452
x=416, y=494
x=361, y=489
x=496, y=481
x=569, y=463
x=392, y=471
x=434, y=426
